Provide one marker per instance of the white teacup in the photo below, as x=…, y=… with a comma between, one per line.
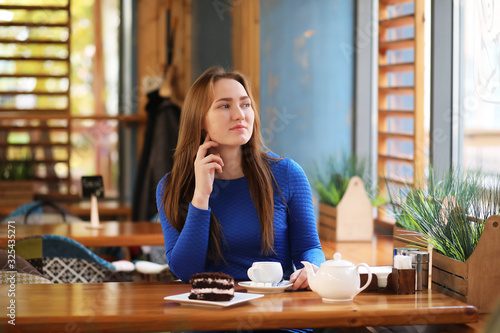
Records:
x=266, y=272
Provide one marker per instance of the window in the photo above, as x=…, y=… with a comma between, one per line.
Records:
x=479, y=85
x=401, y=149
x=59, y=91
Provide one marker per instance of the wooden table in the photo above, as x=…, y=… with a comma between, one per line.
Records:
x=140, y=307
x=112, y=233
x=378, y=252
x=108, y=210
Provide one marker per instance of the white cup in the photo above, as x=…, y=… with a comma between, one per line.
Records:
x=266, y=272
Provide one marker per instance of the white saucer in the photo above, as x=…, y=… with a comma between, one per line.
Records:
x=281, y=287
x=238, y=298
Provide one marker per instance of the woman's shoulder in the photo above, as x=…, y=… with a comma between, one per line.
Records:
x=282, y=164
x=161, y=185
x=163, y=179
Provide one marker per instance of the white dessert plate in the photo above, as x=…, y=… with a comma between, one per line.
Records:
x=237, y=299
x=281, y=287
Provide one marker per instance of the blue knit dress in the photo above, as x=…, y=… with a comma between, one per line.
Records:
x=295, y=235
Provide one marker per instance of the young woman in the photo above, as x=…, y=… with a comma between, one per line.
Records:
x=228, y=201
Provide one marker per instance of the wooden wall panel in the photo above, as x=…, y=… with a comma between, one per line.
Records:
x=148, y=44
x=246, y=42
x=152, y=50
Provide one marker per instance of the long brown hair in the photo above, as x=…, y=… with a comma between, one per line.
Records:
x=179, y=186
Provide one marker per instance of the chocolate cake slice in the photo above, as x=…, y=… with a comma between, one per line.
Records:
x=212, y=287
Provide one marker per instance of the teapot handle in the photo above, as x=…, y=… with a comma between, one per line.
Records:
x=369, y=277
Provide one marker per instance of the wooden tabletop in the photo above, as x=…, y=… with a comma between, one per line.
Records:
x=111, y=234
x=140, y=307
x=378, y=252
x=108, y=209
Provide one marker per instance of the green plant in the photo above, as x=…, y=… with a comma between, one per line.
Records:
x=16, y=170
x=450, y=213
x=331, y=184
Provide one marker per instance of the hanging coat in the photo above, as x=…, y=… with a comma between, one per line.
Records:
x=160, y=140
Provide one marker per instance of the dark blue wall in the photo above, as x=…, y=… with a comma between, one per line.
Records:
x=307, y=77
x=211, y=31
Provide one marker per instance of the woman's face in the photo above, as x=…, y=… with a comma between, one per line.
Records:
x=229, y=120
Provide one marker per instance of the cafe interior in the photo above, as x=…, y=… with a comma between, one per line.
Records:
x=390, y=107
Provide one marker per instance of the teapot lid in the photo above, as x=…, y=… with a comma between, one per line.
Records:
x=337, y=262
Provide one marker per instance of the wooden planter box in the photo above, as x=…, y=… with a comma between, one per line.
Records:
x=352, y=219
x=476, y=281
x=15, y=192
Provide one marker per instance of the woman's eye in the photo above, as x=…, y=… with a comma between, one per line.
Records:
x=246, y=105
x=224, y=106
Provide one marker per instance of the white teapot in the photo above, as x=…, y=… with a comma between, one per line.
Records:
x=336, y=280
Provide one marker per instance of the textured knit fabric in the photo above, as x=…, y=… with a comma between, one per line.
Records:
x=296, y=238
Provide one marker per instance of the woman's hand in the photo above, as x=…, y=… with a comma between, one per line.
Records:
x=299, y=278
x=204, y=173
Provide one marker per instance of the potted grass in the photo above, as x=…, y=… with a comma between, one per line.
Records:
x=458, y=217
x=346, y=199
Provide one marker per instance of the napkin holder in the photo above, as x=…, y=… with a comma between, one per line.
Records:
x=373, y=286
x=399, y=281
x=381, y=276
x=402, y=281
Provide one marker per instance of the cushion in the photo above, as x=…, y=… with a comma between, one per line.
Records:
x=123, y=265
x=7, y=277
x=29, y=247
x=147, y=267
x=71, y=270
x=21, y=266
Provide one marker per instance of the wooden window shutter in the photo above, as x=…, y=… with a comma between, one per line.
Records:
x=35, y=90
x=401, y=157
